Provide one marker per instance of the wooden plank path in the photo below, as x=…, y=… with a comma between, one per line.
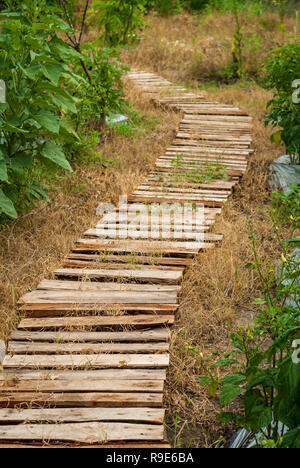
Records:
x=87, y=363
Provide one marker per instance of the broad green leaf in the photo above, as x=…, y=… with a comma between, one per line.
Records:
x=259, y=417
x=52, y=71
x=291, y=439
x=48, y=120
x=277, y=137
x=68, y=126
x=54, y=153
x=228, y=393
x=227, y=417
x=233, y=379
x=205, y=380
x=224, y=363
x=33, y=70
x=3, y=170
x=19, y=162
x=7, y=206
x=65, y=103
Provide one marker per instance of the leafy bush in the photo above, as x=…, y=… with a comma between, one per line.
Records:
x=52, y=88
x=286, y=206
x=118, y=21
x=34, y=65
x=283, y=68
x=197, y=5
x=102, y=92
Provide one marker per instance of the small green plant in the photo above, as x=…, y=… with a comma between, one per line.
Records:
x=178, y=161
x=102, y=94
x=286, y=206
x=168, y=7
x=238, y=43
x=281, y=7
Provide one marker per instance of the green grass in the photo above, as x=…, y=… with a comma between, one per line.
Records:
x=137, y=125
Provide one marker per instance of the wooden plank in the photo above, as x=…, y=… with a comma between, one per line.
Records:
x=89, y=361
x=150, y=275
x=208, y=190
x=238, y=152
x=133, y=211
x=93, y=247
x=216, y=184
x=219, y=119
x=182, y=232
x=198, y=163
x=170, y=199
x=97, y=286
x=93, y=261
x=140, y=321
x=77, y=385
x=69, y=415
x=17, y=347
x=156, y=247
x=98, y=297
x=92, y=432
x=137, y=336
x=85, y=399
x=89, y=375
x=84, y=310
x=144, y=230
x=229, y=172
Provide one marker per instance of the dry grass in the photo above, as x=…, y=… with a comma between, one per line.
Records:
x=218, y=290
x=188, y=48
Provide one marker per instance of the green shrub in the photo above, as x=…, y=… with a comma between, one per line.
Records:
x=283, y=69
x=34, y=63
x=118, y=21
x=102, y=94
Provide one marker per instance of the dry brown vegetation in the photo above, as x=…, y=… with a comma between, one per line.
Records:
x=218, y=290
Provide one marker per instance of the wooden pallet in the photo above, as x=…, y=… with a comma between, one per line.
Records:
x=87, y=363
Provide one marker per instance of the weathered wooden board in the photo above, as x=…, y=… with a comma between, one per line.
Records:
x=92, y=261
x=146, y=274
x=137, y=336
x=17, y=347
x=89, y=361
x=77, y=415
x=90, y=375
x=92, y=432
x=156, y=247
x=134, y=321
x=99, y=297
x=85, y=399
x=97, y=286
x=85, y=310
x=77, y=385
